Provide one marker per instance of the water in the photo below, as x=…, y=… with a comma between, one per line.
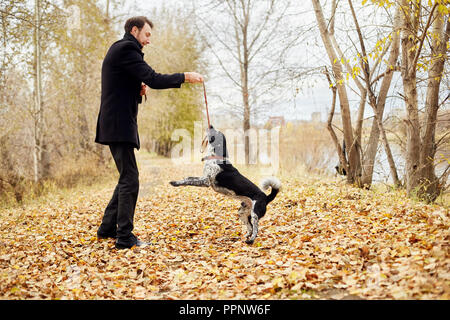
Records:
x=381, y=172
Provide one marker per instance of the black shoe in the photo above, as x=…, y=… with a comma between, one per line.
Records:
x=138, y=243
x=101, y=235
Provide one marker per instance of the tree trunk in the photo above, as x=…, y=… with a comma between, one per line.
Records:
x=429, y=183
x=343, y=163
x=372, y=146
x=39, y=145
x=245, y=100
x=387, y=148
x=362, y=89
x=354, y=160
x=410, y=21
x=244, y=65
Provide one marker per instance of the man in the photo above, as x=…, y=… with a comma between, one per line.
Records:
x=125, y=77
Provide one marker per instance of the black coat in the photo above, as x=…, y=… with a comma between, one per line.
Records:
x=123, y=72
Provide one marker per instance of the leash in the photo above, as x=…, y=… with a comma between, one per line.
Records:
x=203, y=146
x=206, y=103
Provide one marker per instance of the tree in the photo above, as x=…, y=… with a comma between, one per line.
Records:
x=44, y=129
x=405, y=33
x=431, y=185
x=378, y=102
x=250, y=40
x=421, y=180
x=40, y=152
x=353, y=166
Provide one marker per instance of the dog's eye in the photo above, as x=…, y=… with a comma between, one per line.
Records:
x=212, y=139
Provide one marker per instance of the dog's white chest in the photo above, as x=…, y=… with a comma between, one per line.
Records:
x=211, y=169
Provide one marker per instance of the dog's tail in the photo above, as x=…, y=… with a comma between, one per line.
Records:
x=274, y=183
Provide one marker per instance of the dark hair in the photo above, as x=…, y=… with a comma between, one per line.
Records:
x=139, y=22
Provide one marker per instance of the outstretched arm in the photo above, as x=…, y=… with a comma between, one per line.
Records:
x=133, y=63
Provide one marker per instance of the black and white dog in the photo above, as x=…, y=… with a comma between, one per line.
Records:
x=220, y=174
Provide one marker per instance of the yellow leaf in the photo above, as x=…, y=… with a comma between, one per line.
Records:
x=15, y=289
x=403, y=251
x=278, y=282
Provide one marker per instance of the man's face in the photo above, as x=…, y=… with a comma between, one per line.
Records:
x=143, y=35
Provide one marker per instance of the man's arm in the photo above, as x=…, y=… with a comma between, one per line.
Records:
x=133, y=63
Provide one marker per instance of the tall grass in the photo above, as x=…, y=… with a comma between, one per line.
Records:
x=84, y=170
x=306, y=147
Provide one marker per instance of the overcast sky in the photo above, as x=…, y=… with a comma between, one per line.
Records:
x=313, y=96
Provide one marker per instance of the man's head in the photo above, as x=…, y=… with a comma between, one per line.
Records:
x=141, y=28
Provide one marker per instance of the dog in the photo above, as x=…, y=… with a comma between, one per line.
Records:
x=219, y=174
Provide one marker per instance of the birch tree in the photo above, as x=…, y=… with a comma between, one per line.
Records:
x=40, y=152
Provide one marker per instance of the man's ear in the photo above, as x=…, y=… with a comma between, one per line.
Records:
x=134, y=30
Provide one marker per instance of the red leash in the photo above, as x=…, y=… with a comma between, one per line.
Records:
x=203, y=146
x=206, y=102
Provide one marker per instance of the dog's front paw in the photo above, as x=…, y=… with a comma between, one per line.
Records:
x=249, y=241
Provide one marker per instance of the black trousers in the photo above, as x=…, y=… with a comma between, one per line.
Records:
x=119, y=214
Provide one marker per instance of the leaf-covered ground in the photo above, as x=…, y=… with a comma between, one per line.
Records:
x=320, y=239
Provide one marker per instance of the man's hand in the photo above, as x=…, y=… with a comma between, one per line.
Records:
x=193, y=77
x=144, y=90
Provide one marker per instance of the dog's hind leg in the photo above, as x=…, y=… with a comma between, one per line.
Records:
x=258, y=211
x=244, y=215
x=191, y=181
x=254, y=222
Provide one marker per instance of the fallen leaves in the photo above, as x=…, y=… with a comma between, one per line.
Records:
x=364, y=251
x=319, y=239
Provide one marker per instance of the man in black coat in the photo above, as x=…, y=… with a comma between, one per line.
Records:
x=125, y=77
